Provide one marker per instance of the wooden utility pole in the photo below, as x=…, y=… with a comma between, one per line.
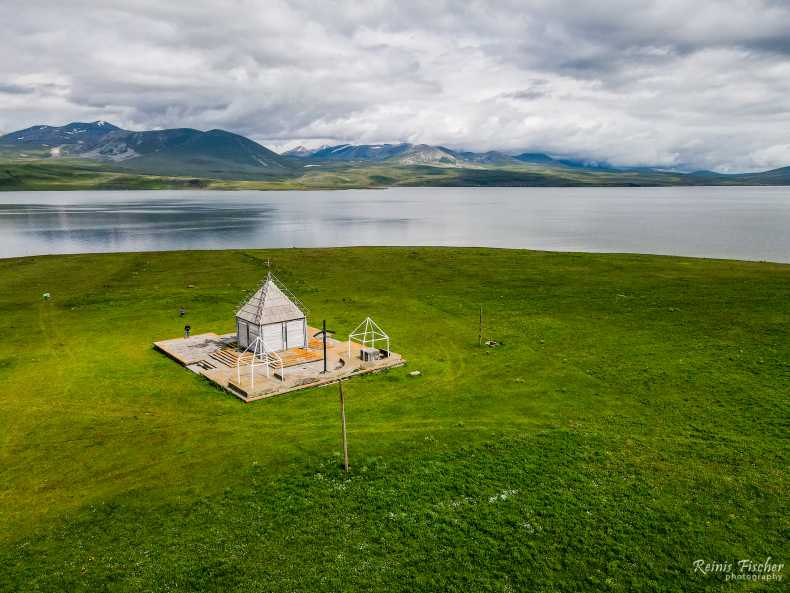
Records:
x=323, y=332
x=343, y=418
x=480, y=329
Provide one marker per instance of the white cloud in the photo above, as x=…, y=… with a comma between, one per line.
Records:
x=631, y=81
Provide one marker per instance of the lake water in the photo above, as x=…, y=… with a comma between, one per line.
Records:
x=723, y=222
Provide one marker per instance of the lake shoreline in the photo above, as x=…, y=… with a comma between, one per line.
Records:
x=611, y=254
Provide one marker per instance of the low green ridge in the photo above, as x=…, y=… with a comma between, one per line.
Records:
x=83, y=174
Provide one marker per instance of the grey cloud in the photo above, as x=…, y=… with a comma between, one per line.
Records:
x=526, y=94
x=630, y=81
x=15, y=89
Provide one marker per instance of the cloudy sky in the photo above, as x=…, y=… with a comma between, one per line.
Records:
x=704, y=83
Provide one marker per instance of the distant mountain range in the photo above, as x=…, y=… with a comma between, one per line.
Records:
x=425, y=154
x=217, y=154
x=402, y=154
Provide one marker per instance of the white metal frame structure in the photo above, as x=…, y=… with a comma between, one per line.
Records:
x=367, y=334
x=260, y=356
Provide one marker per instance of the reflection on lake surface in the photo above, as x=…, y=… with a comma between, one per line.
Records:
x=725, y=222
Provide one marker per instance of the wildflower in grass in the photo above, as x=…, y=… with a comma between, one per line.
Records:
x=504, y=495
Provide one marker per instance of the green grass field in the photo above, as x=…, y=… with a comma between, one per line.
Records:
x=634, y=420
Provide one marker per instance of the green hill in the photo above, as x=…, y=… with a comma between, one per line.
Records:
x=632, y=419
x=779, y=176
x=213, y=154
x=182, y=151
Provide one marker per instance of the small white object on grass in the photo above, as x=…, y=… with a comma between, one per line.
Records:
x=45, y=296
x=415, y=374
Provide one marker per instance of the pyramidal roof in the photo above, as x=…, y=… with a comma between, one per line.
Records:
x=269, y=304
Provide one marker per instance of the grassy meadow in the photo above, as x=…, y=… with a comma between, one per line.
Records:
x=633, y=420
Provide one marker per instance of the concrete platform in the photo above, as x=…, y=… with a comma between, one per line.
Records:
x=201, y=354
